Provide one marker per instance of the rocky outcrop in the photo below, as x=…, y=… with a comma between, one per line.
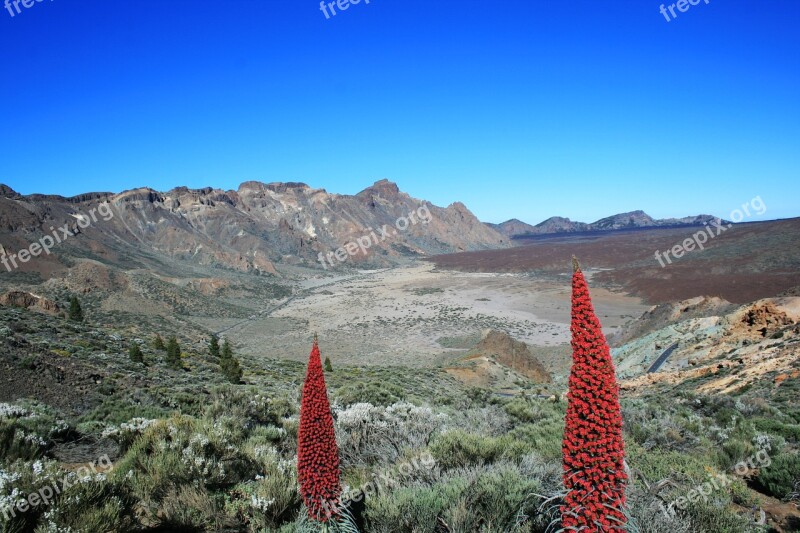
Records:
x=663, y=315
x=738, y=346
x=500, y=364
x=30, y=301
x=7, y=192
x=765, y=318
x=559, y=225
x=513, y=354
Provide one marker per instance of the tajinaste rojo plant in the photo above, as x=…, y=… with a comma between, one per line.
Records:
x=317, y=454
x=593, y=449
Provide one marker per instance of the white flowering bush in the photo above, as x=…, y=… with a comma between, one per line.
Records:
x=180, y=452
x=722, y=434
x=245, y=410
x=127, y=432
x=10, y=493
x=18, y=443
x=8, y=410
x=19, y=480
x=89, y=502
x=373, y=434
x=490, y=420
x=763, y=441
x=27, y=431
x=269, y=498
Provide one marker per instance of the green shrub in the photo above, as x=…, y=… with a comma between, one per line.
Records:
x=27, y=431
x=192, y=508
x=458, y=449
x=376, y=393
x=180, y=452
x=733, y=451
x=94, y=505
x=269, y=500
x=494, y=499
x=15, y=443
x=741, y=495
x=497, y=500
x=778, y=478
x=658, y=464
x=115, y=411
x=135, y=354
x=544, y=437
x=526, y=410
x=710, y=517
x=790, y=432
x=412, y=509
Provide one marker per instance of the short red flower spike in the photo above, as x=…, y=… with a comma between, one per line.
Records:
x=317, y=454
x=593, y=449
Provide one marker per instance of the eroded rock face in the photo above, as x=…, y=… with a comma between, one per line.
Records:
x=752, y=343
x=765, y=318
x=248, y=230
x=29, y=301
x=513, y=354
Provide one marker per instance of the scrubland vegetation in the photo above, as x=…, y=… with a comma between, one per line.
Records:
x=192, y=451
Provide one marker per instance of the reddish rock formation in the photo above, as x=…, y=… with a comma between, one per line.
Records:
x=513, y=354
x=29, y=301
x=765, y=318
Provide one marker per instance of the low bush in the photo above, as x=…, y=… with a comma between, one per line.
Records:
x=790, y=432
x=460, y=449
x=375, y=393
x=779, y=477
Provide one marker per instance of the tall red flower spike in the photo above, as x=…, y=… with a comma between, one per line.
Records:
x=594, y=453
x=317, y=454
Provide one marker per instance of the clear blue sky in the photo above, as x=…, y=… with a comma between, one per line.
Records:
x=518, y=108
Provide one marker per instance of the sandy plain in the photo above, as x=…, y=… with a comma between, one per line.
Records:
x=420, y=316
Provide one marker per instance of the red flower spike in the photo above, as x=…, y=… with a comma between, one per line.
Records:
x=317, y=453
x=593, y=449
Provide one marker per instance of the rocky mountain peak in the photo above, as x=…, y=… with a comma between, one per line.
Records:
x=383, y=188
x=7, y=192
x=249, y=230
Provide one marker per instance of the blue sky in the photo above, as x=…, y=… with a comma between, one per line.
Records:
x=517, y=108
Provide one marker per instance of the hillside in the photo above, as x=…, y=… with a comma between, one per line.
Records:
x=517, y=229
x=746, y=262
x=512, y=227
x=183, y=448
x=252, y=229
x=718, y=347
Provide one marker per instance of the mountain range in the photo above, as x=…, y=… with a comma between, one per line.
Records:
x=635, y=219
x=261, y=225
x=249, y=230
